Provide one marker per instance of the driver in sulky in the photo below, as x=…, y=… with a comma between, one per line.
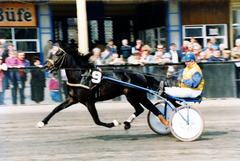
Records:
x=191, y=82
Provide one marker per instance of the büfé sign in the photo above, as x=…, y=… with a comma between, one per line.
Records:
x=14, y=15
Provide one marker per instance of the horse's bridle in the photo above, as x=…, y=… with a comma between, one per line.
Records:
x=59, y=61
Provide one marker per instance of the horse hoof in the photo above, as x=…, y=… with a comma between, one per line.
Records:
x=40, y=124
x=127, y=125
x=116, y=123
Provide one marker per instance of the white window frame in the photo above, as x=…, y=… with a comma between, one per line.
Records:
x=14, y=41
x=204, y=34
x=232, y=25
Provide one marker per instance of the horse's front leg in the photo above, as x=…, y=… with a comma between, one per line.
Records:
x=60, y=107
x=92, y=109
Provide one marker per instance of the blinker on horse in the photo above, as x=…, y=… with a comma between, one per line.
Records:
x=82, y=89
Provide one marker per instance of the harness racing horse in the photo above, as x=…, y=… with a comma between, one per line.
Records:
x=82, y=89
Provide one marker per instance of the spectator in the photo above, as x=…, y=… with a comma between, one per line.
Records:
x=209, y=50
x=138, y=48
x=135, y=59
x=222, y=49
x=10, y=47
x=113, y=48
x=54, y=88
x=160, y=48
x=3, y=52
x=193, y=40
x=167, y=58
x=13, y=61
x=184, y=47
x=64, y=83
x=4, y=55
x=175, y=55
x=96, y=58
x=226, y=55
x=236, y=50
x=203, y=57
x=196, y=52
x=52, y=51
x=125, y=50
x=37, y=81
x=216, y=56
x=214, y=43
x=115, y=60
x=46, y=49
x=23, y=76
x=146, y=55
x=106, y=55
x=3, y=67
x=3, y=42
x=158, y=58
x=189, y=49
x=147, y=58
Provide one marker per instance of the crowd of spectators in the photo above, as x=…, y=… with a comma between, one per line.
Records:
x=108, y=54
x=137, y=54
x=13, y=76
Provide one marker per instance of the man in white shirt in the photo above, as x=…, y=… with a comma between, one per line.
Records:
x=175, y=56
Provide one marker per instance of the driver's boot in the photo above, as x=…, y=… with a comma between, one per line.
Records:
x=164, y=121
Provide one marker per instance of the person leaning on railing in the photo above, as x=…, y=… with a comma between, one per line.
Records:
x=236, y=50
x=3, y=67
x=23, y=76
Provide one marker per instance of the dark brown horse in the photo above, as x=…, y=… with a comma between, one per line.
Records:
x=82, y=89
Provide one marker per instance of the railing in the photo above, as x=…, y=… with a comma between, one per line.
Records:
x=221, y=80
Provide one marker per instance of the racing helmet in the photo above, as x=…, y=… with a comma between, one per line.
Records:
x=189, y=57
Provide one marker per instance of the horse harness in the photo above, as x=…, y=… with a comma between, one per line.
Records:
x=84, y=82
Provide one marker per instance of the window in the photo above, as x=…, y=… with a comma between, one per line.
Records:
x=153, y=37
x=203, y=33
x=72, y=30
x=108, y=30
x=5, y=34
x=94, y=30
x=24, y=39
x=235, y=25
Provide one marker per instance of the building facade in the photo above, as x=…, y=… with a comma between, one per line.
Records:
x=30, y=24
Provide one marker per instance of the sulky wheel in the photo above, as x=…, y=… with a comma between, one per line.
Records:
x=179, y=127
x=153, y=121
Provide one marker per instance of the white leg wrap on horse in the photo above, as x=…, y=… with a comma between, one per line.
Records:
x=131, y=118
x=40, y=124
x=116, y=123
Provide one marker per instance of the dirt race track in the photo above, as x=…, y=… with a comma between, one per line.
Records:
x=72, y=135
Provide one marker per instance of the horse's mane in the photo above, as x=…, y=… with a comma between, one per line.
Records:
x=80, y=59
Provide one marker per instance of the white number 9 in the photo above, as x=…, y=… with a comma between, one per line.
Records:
x=96, y=77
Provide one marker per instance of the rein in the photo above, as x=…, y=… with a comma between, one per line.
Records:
x=61, y=59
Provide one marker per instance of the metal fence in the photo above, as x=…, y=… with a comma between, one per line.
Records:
x=222, y=80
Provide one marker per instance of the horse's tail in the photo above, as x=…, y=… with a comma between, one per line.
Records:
x=152, y=82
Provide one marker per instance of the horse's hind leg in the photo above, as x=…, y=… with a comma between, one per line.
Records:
x=138, y=110
x=92, y=109
x=150, y=106
x=60, y=107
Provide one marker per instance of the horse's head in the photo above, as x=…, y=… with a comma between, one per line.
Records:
x=56, y=62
